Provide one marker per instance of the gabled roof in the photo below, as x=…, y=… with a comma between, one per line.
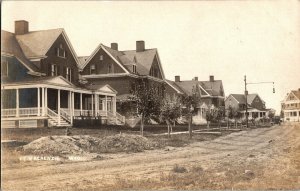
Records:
x=10, y=47
x=296, y=93
x=103, y=88
x=207, y=87
x=82, y=60
x=173, y=85
x=37, y=43
x=213, y=88
x=242, y=99
x=143, y=60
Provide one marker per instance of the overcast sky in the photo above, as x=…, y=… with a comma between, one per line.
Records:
x=227, y=39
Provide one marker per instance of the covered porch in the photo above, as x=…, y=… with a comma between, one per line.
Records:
x=55, y=100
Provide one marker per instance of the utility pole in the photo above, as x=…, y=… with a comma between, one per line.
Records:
x=246, y=95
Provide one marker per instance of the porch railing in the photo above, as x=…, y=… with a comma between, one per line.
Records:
x=52, y=114
x=86, y=112
x=8, y=112
x=120, y=117
x=23, y=112
x=65, y=115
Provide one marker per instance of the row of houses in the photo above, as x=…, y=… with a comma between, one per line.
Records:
x=45, y=83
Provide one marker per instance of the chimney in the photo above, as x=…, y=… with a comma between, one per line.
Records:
x=177, y=78
x=140, y=46
x=21, y=27
x=114, y=46
x=211, y=78
x=196, y=78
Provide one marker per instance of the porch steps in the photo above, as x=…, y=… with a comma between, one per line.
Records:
x=63, y=122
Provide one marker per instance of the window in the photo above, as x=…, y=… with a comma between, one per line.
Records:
x=68, y=74
x=4, y=68
x=53, y=70
x=101, y=57
x=110, y=68
x=93, y=69
x=60, y=51
x=134, y=68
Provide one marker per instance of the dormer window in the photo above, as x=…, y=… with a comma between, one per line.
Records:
x=101, y=57
x=93, y=69
x=134, y=69
x=60, y=51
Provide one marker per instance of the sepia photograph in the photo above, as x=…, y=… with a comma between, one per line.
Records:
x=150, y=95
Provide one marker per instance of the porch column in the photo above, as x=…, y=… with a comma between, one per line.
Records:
x=58, y=106
x=92, y=104
x=114, y=103
x=106, y=104
x=46, y=101
x=73, y=105
x=43, y=101
x=96, y=105
x=39, y=101
x=17, y=102
x=81, y=104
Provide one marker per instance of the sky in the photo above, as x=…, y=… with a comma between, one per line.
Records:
x=227, y=39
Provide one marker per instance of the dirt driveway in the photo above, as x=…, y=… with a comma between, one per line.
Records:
x=265, y=158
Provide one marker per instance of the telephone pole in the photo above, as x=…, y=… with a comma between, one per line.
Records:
x=246, y=94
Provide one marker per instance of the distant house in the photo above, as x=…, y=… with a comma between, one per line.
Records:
x=211, y=93
x=290, y=106
x=122, y=70
x=40, y=81
x=256, y=106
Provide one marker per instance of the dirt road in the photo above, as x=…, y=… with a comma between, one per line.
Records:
x=266, y=158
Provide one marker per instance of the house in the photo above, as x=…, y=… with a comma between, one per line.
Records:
x=290, y=106
x=211, y=94
x=122, y=69
x=40, y=81
x=255, y=105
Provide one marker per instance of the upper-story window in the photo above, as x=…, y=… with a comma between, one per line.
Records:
x=110, y=68
x=61, y=52
x=101, y=57
x=68, y=74
x=134, y=68
x=4, y=68
x=53, y=70
x=93, y=69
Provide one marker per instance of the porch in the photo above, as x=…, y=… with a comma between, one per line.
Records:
x=58, y=104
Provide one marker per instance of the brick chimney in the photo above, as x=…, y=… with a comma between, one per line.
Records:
x=196, y=78
x=211, y=78
x=21, y=27
x=140, y=46
x=114, y=46
x=177, y=78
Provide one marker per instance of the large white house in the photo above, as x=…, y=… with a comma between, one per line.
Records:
x=290, y=106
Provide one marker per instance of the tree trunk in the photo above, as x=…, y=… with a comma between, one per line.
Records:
x=142, y=126
x=190, y=126
x=168, y=124
x=227, y=123
x=208, y=122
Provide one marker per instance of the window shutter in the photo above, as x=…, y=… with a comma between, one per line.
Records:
x=66, y=53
